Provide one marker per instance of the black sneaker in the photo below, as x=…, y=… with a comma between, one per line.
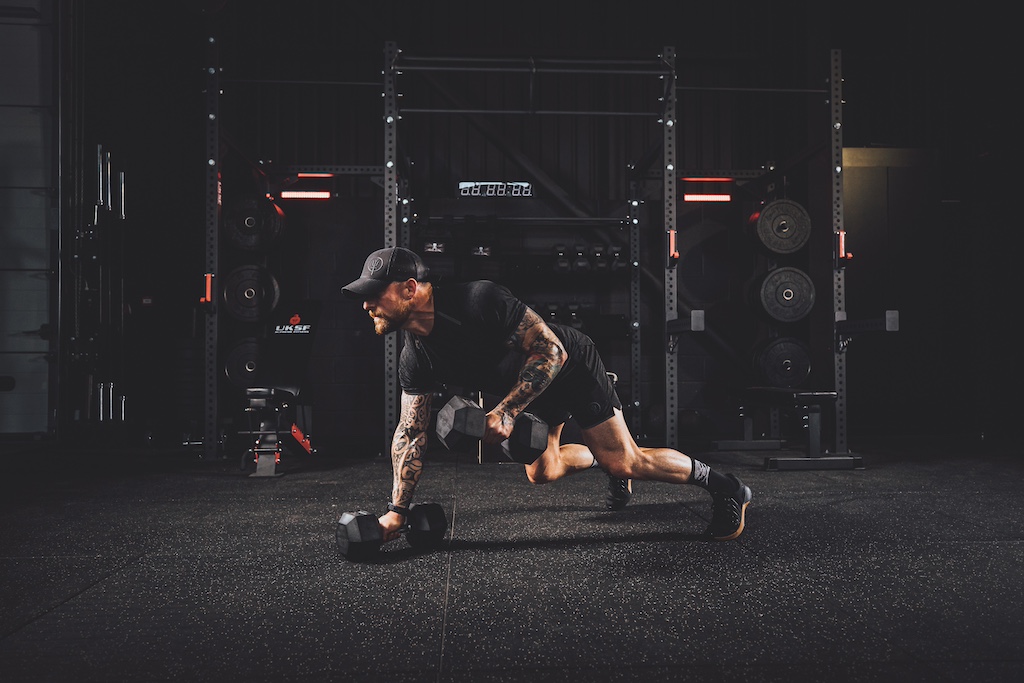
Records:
x=619, y=492
x=728, y=511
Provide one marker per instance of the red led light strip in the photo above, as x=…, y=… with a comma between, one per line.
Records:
x=707, y=197
x=306, y=194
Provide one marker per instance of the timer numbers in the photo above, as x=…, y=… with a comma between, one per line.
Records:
x=495, y=189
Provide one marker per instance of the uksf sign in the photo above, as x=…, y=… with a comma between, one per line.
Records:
x=294, y=326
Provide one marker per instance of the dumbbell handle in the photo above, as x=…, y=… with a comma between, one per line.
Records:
x=404, y=512
x=522, y=421
x=515, y=423
x=461, y=417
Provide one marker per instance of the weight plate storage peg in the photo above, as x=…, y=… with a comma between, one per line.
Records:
x=783, y=226
x=787, y=294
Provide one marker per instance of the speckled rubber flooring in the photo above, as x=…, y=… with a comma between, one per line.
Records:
x=157, y=569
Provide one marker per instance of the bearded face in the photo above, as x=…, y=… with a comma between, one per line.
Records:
x=389, y=312
x=382, y=325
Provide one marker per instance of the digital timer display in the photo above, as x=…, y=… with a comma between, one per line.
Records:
x=477, y=188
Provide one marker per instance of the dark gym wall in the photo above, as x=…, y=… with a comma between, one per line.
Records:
x=908, y=84
x=29, y=215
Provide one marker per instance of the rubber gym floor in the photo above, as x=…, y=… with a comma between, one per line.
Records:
x=148, y=566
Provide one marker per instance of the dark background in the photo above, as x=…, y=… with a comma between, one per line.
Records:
x=939, y=248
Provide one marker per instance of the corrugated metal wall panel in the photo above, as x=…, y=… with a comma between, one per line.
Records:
x=28, y=201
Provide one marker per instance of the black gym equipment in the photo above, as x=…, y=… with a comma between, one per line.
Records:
x=359, y=535
x=272, y=372
x=251, y=293
x=803, y=405
x=787, y=294
x=243, y=363
x=461, y=420
x=528, y=440
x=782, y=226
x=782, y=362
x=253, y=224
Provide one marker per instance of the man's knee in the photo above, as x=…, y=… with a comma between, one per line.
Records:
x=546, y=469
x=537, y=473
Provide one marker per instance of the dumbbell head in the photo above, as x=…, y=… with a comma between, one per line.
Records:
x=459, y=421
x=528, y=441
x=358, y=535
x=427, y=525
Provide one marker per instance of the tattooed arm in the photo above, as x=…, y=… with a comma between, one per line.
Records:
x=545, y=356
x=407, y=448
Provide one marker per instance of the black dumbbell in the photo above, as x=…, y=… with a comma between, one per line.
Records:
x=461, y=420
x=359, y=535
x=528, y=440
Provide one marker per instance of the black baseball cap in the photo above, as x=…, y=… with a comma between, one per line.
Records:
x=384, y=266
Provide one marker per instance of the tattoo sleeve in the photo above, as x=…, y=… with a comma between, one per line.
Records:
x=408, y=446
x=545, y=356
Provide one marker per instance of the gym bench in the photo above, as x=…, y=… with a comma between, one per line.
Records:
x=268, y=406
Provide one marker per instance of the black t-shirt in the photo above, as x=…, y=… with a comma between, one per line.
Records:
x=469, y=344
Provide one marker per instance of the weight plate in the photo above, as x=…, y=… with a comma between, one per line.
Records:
x=253, y=224
x=242, y=365
x=787, y=294
x=251, y=293
x=783, y=226
x=783, y=362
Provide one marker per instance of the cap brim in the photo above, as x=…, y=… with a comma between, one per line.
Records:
x=364, y=287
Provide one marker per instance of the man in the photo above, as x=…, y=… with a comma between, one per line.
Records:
x=478, y=335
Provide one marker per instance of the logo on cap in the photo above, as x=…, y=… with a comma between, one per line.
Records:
x=375, y=265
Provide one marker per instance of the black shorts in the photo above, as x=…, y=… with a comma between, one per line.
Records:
x=582, y=390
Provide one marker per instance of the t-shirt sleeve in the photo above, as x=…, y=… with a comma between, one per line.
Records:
x=500, y=310
x=413, y=374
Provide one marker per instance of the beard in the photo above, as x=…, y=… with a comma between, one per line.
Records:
x=382, y=324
